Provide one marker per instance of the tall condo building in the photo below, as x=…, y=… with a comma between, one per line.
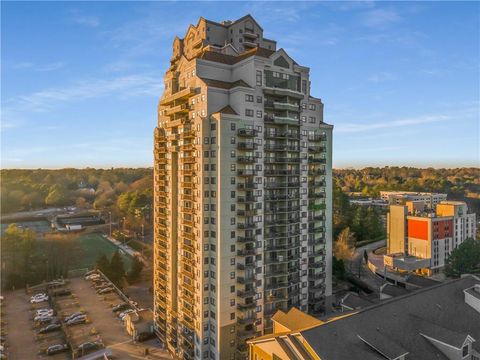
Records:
x=243, y=192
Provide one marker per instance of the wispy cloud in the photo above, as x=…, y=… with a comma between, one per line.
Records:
x=381, y=77
x=37, y=67
x=49, y=99
x=86, y=20
x=354, y=128
x=380, y=17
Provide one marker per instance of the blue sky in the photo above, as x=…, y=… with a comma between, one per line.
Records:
x=81, y=80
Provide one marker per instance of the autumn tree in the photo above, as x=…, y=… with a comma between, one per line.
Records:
x=344, y=247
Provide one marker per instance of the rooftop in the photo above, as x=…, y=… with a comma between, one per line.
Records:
x=438, y=312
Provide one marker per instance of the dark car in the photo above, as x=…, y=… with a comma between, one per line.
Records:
x=49, y=328
x=88, y=346
x=55, y=349
x=77, y=320
x=121, y=307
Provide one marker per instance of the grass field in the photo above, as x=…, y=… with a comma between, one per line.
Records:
x=93, y=246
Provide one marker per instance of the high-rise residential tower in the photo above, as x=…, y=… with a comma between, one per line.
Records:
x=243, y=191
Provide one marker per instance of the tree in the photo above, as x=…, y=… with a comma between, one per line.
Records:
x=61, y=253
x=344, y=246
x=136, y=270
x=465, y=259
x=338, y=268
x=17, y=246
x=103, y=265
x=117, y=269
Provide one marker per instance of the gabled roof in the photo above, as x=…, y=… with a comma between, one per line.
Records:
x=230, y=59
x=224, y=84
x=295, y=319
x=227, y=110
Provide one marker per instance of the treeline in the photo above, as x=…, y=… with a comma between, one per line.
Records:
x=458, y=183
x=24, y=190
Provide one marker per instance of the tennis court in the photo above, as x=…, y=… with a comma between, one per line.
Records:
x=93, y=246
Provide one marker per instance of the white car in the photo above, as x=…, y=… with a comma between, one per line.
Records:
x=43, y=311
x=123, y=314
x=39, y=299
x=43, y=318
x=37, y=295
x=92, y=277
x=42, y=314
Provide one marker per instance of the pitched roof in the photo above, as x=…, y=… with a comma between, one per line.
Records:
x=295, y=319
x=224, y=84
x=227, y=110
x=231, y=59
x=438, y=310
x=393, y=290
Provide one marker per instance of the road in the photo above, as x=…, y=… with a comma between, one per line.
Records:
x=358, y=263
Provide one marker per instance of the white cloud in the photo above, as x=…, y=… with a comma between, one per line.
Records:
x=381, y=77
x=380, y=17
x=14, y=110
x=37, y=67
x=354, y=128
x=85, y=20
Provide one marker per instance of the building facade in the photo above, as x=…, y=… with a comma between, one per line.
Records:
x=243, y=183
x=429, y=234
x=400, y=197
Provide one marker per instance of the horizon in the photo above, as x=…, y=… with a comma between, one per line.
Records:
x=399, y=80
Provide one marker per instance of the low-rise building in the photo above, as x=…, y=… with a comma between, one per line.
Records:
x=139, y=322
x=417, y=233
x=436, y=323
x=400, y=197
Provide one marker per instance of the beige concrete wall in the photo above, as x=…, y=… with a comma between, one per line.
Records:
x=396, y=229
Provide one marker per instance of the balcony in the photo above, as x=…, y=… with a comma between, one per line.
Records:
x=245, y=226
x=316, y=195
x=246, y=132
x=246, y=213
x=249, y=44
x=246, y=239
x=277, y=119
x=248, y=33
x=315, y=160
x=246, y=199
x=248, y=266
x=245, y=280
x=282, y=91
x=281, y=172
x=246, y=252
x=281, y=160
x=179, y=95
x=320, y=148
x=246, y=159
x=246, y=320
x=247, y=186
x=246, y=146
x=246, y=172
x=179, y=109
x=245, y=293
x=317, y=137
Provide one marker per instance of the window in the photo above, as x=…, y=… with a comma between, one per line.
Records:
x=232, y=316
x=259, y=113
x=205, y=140
x=232, y=153
x=232, y=275
x=465, y=351
x=213, y=127
x=259, y=78
x=249, y=112
x=232, y=302
x=248, y=98
x=232, y=126
x=259, y=99
x=304, y=119
x=232, y=288
x=312, y=107
x=304, y=86
x=311, y=119
x=232, y=140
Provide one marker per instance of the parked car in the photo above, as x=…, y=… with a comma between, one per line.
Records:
x=101, y=285
x=55, y=349
x=48, y=320
x=77, y=320
x=121, y=307
x=91, y=272
x=122, y=314
x=88, y=346
x=73, y=316
x=38, y=299
x=49, y=328
x=44, y=311
x=55, y=283
x=92, y=276
x=43, y=316
x=106, y=290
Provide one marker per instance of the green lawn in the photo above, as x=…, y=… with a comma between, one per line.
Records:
x=93, y=246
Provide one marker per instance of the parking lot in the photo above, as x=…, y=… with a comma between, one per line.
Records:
x=102, y=326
